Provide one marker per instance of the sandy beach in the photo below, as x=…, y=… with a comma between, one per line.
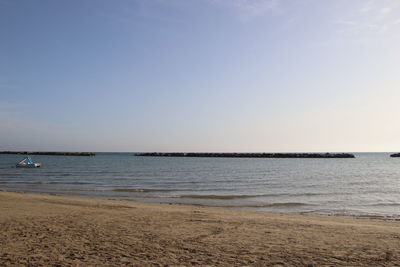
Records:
x=43, y=230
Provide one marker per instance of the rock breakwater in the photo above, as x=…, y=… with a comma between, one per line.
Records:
x=249, y=155
x=49, y=153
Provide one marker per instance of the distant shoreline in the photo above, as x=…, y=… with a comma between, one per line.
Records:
x=87, y=154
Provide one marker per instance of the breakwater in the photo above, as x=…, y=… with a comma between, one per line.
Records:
x=249, y=155
x=49, y=153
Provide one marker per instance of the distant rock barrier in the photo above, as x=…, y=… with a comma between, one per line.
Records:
x=49, y=153
x=249, y=155
x=396, y=155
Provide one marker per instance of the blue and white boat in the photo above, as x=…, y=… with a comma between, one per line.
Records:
x=28, y=163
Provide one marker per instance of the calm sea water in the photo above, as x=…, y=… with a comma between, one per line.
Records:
x=368, y=185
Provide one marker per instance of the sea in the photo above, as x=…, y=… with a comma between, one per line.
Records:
x=365, y=186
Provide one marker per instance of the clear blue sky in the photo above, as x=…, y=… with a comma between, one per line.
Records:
x=200, y=75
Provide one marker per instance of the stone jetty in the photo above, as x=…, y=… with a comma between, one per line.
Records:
x=249, y=155
x=396, y=155
x=49, y=153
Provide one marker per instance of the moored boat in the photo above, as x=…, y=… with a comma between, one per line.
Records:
x=28, y=163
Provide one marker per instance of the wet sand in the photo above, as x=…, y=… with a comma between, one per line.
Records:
x=42, y=230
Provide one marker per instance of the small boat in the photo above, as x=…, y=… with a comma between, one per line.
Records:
x=28, y=163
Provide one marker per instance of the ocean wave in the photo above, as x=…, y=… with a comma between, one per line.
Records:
x=227, y=197
x=39, y=182
x=53, y=182
x=386, y=204
x=280, y=204
x=140, y=190
x=216, y=196
x=265, y=205
x=286, y=204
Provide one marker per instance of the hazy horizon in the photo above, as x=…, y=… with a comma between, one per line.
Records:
x=200, y=75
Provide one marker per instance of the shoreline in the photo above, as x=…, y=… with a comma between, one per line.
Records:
x=255, y=208
x=41, y=229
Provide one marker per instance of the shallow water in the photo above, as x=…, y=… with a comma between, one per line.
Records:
x=366, y=185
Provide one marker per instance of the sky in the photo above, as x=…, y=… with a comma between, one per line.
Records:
x=200, y=75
